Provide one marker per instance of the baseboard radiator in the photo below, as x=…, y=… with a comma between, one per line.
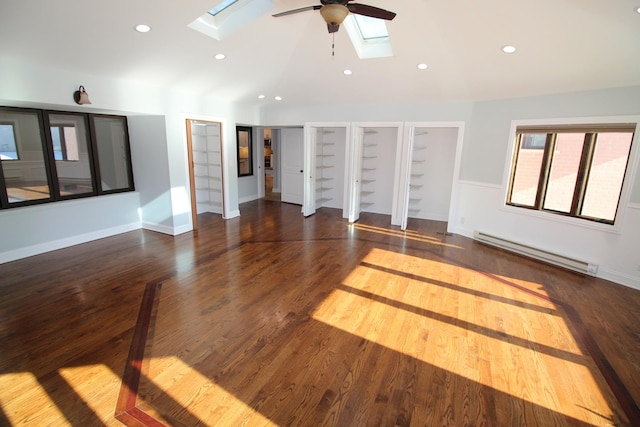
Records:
x=536, y=253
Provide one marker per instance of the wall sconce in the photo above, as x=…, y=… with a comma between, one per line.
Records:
x=81, y=97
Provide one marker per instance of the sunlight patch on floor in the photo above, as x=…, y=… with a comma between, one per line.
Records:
x=206, y=400
x=466, y=323
x=18, y=392
x=407, y=234
x=88, y=383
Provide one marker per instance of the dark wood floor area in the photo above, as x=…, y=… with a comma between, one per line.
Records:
x=276, y=319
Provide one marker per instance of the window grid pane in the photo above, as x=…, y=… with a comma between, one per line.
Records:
x=25, y=178
x=609, y=163
x=564, y=172
x=111, y=142
x=527, y=171
x=74, y=169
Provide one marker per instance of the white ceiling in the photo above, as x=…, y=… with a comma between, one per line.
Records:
x=563, y=46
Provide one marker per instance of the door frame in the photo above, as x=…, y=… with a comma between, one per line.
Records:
x=310, y=140
x=190, y=167
x=404, y=171
x=354, y=160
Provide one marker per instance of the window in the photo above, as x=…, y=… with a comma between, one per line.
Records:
x=369, y=36
x=110, y=136
x=245, y=151
x=49, y=156
x=371, y=28
x=72, y=153
x=8, y=149
x=576, y=170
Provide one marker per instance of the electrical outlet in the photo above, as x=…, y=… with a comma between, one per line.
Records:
x=462, y=222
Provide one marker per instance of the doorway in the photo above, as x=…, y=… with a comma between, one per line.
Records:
x=204, y=150
x=271, y=164
x=291, y=167
x=432, y=161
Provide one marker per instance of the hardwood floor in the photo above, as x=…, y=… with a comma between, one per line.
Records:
x=276, y=319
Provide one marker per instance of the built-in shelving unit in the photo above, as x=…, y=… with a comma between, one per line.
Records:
x=207, y=166
x=368, y=170
x=417, y=178
x=329, y=173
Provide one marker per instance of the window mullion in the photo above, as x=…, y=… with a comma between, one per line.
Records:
x=516, y=155
x=545, y=168
x=4, y=198
x=583, y=173
x=50, y=164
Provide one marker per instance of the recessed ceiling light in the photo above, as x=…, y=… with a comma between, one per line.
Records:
x=347, y=72
x=278, y=98
x=638, y=10
x=508, y=49
x=220, y=56
x=260, y=96
x=422, y=66
x=143, y=28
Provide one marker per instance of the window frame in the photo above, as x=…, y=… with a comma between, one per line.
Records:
x=628, y=123
x=49, y=161
x=96, y=150
x=249, y=159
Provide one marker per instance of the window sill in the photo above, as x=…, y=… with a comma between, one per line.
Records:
x=575, y=222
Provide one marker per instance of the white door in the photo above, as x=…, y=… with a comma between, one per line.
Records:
x=292, y=160
x=309, y=205
x=355, y=173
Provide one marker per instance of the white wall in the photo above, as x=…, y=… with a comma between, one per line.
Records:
x=484, y=174
x=151, y=171
x=32, y=230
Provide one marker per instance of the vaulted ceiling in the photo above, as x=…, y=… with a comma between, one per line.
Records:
x=562, y=46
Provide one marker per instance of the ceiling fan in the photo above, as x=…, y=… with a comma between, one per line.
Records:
x=335, y=11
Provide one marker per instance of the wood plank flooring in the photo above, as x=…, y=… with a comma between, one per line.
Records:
x=275, y=319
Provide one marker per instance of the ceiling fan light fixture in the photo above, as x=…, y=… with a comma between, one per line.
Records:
x=334, y=14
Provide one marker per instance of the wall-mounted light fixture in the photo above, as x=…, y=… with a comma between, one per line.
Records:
x=81, y=97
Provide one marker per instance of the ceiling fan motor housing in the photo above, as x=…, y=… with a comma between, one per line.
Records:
x=334, y=14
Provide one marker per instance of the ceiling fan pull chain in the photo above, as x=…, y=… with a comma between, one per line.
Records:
x=333, y=45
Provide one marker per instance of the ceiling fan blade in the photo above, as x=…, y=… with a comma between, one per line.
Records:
x=374, y=12
x=333, y=28
x=302, y=9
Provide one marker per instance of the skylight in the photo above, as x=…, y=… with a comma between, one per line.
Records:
x=371, y=28
x=369, y=36
x=223, y=20
x=221, y=6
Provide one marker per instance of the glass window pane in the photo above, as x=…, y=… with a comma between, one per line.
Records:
x=527, y=171
x=26, y=177
x=8, y=149
x=565, y=163
x=245, y=151
x=371, y=28
x=113, y=152
x=73, y=164
x=607, y=173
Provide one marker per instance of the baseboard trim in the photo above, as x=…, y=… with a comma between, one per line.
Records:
x=54, y=245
